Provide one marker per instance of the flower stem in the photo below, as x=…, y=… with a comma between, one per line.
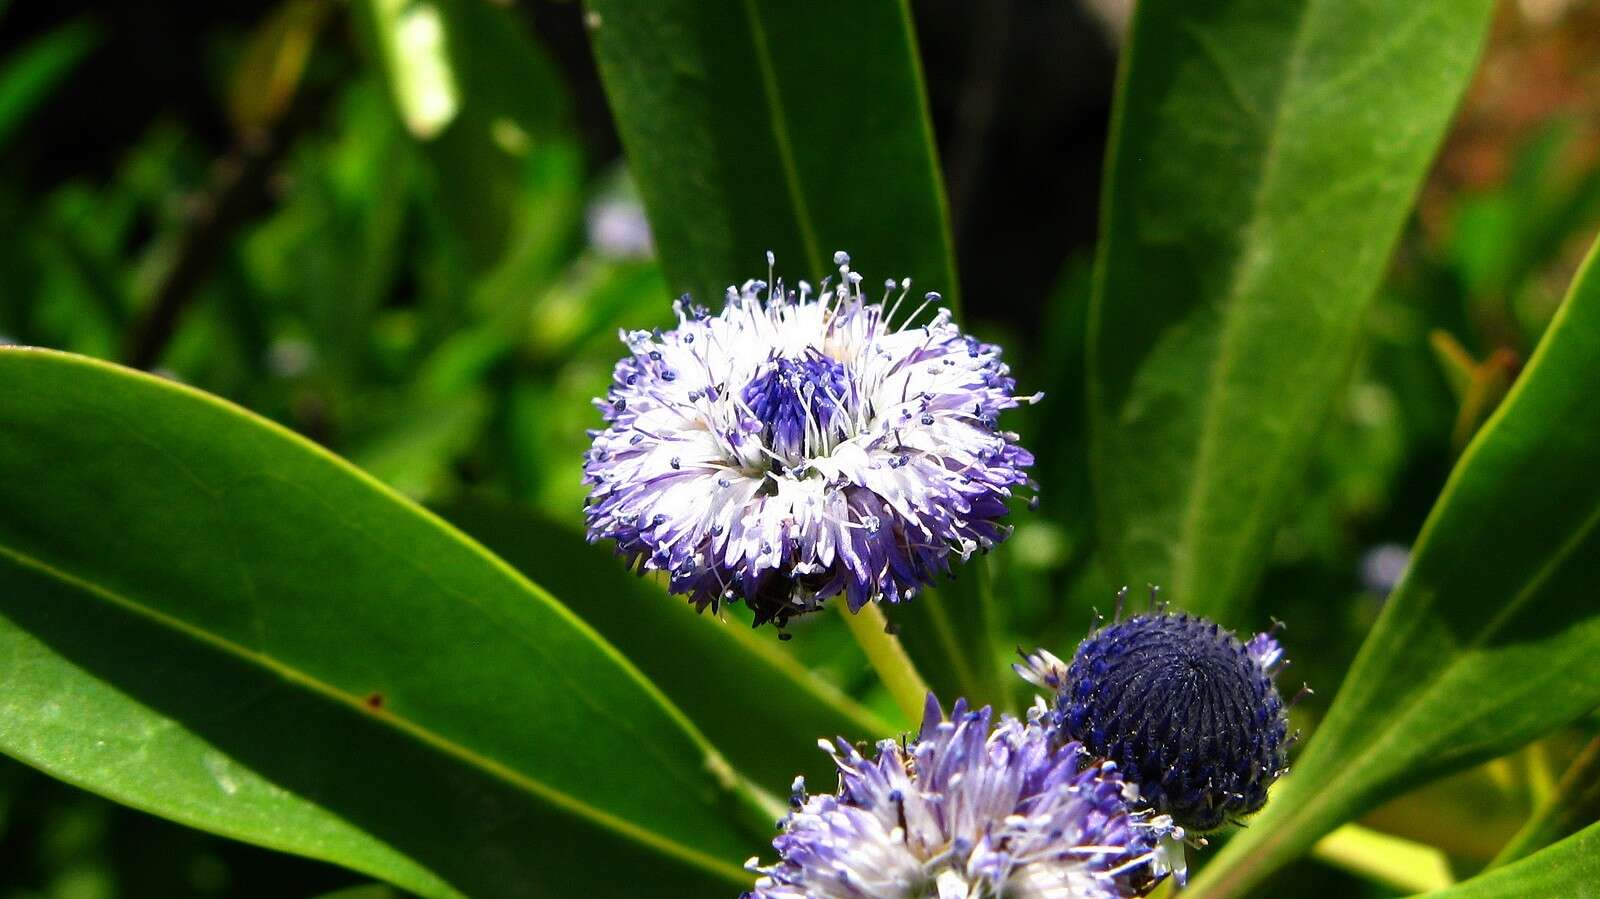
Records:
x=888, y=658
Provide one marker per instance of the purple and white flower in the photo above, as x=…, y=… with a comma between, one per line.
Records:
x=799, y=445
x=966, y=812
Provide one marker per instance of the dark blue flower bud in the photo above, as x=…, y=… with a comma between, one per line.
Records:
x=1187, y=711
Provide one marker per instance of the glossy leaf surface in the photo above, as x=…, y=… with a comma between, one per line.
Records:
x=1263, y=158
x=736, y=683
x=214, y=620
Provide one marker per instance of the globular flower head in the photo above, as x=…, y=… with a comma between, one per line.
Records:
x=799, y=445
x=966, y=811
x=1188, y=712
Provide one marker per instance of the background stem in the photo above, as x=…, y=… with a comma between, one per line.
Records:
x=888, y=658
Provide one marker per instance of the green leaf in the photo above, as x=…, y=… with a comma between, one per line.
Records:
x=1263, y=159
x=755, y=125
x=735, y=682
x=32, y=72
x=211, y=619
x=1491, y=638
x=1569, y=868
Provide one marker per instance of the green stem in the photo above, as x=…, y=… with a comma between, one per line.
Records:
x=888, y=658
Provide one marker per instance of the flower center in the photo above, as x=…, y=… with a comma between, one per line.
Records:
x=801, y=404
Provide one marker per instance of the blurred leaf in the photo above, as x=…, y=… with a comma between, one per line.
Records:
x=761, y=125
x=1569, y=868
x=1468, y=815
x=1572, y=803
x=1500, y=239
x=513, y=103
x=542, y=240
x=1490, y=639
x=413, y=48
x=268, y=72
x=596, y=298
x=1263, y=159
x=213, y=620
x=504, y=299
x=734, y=682
x=480, y=94
x=29, y=74
x=332, y=249
x=1062, y=442
x=1387, y=859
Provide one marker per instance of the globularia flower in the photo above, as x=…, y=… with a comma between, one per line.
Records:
x=963, y=812
x=796, y=446
x=1188, y=712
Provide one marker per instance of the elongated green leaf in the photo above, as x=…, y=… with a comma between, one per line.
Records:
x=211, y=619
x=756, y=125
x=1492, y=637
x=67, y=719
x=1264, y=156
x=736, y=683
x=1569, y=868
